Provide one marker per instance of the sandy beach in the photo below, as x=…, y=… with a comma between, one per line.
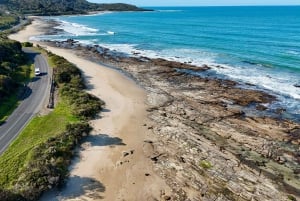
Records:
x=113, y=162
x=184, y=137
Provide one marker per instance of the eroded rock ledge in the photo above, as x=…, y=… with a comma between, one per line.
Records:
x=214, y=140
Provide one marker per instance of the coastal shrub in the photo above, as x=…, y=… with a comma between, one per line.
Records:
x=66, y=72
x=7, y=195
x=27, y=44
x=69, y=78
x=86, y=106
x=50, y=160
x=77, y=82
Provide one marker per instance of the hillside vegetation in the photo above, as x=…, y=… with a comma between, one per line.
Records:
x=14, y=71
x=59, y=7
x=7, y=21
x=11, y=57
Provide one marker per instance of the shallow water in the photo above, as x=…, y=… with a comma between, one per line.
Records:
x=256, y=45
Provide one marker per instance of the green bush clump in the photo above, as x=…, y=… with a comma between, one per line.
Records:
x=27, y=44
x=205, y=164
x=9, y=195
x=69, y=78
x=86, y=106
x=50, y=160
x=66, y=72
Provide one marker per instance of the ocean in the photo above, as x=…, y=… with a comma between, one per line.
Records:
x=255, y=45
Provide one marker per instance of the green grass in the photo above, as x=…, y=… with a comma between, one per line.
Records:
x=38, y=131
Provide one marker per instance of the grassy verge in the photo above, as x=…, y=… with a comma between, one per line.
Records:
x=17, y=156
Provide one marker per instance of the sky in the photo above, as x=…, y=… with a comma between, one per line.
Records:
x=200, y=2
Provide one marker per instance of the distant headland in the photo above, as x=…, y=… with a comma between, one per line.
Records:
x=64, y=7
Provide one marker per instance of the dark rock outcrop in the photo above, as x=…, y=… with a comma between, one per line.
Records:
x=215, y=140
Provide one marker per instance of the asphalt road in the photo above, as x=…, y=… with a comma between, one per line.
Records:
x=33, y=98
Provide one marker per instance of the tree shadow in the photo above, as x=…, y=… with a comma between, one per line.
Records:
x=42, y=74
x=87, y=82
x=75, y=187
x=103, y=140
x=25, y=93
x=105, y=110
x=101, y=114
x=31, y=55
x=35, y=79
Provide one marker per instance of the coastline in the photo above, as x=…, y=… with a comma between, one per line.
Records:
x=202, y=125
x=118, y=131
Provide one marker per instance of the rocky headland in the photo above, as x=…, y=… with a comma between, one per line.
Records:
x=212, y=139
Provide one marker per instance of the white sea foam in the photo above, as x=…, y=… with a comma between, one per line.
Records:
x=181, y=55
x=96, y=13
x=76, y=29
x=169, y=11
x=225, y=64
x=280, y=84
x=293, y=52
x=111, y=32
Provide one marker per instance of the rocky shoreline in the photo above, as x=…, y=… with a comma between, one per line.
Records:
x=216, y=141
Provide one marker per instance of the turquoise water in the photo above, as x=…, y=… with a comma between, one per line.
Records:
x=257, y=45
